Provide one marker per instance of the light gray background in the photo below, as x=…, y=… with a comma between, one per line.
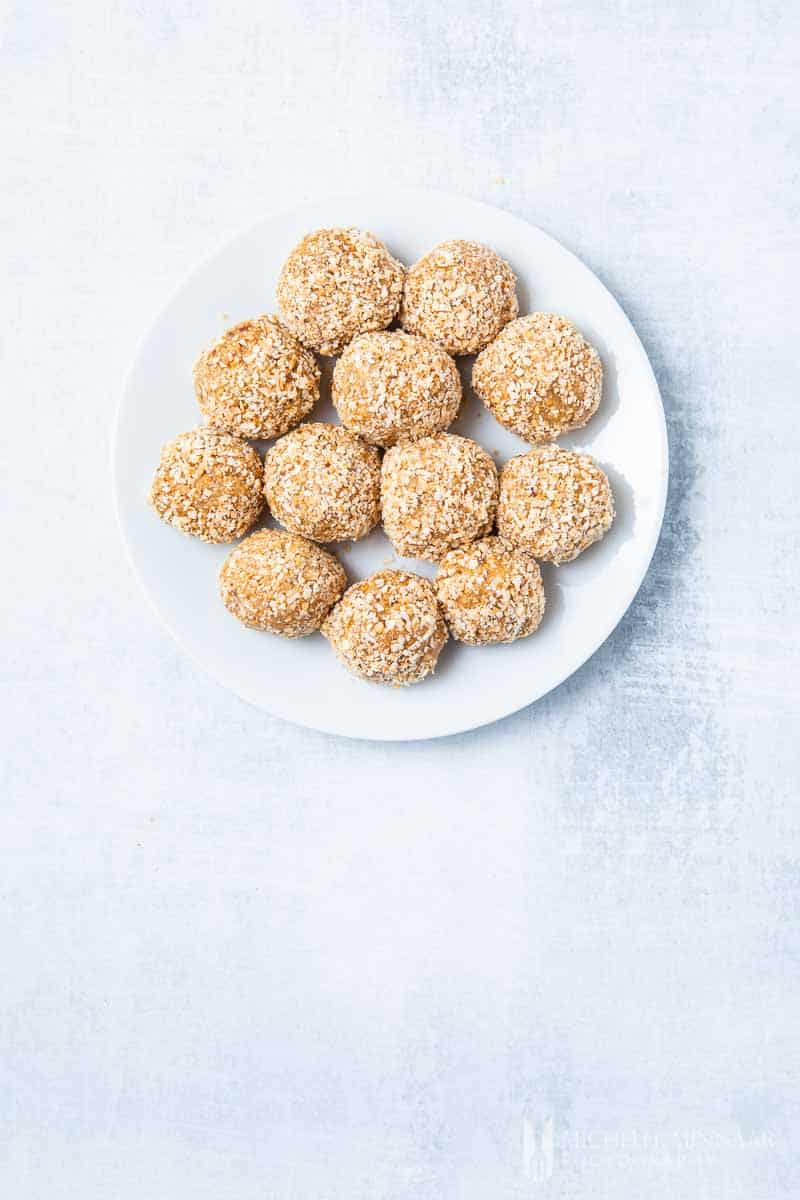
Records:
x=241, y=960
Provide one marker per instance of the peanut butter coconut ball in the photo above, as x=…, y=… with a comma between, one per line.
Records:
x=540, y=377
x=437, y=493
x=460, y=295
x=337, y=283
x=390, y=386
x=490, y=592
x=388, y=628
x=554, y=503
x=257, y=380
x=208, y=484
x=281, y=583
x=323, y=482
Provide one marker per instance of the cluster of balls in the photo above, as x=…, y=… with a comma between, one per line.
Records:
x=440, y=496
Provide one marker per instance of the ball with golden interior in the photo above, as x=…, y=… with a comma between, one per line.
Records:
x=554, y=503
x=324, y=482
x=336, y=284
x=540, y=377
x=490, y=592
x=208, y=484
x=437, y=493
x=257, y=380
x=388, y=628
x=392, y=386
x=459, y=295
x=281, y=583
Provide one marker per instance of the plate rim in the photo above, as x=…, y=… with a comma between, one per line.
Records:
x=418, y=194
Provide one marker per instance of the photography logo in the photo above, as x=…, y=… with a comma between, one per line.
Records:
x=538, y=1149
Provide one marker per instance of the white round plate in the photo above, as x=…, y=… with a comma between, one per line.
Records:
x=301, y=680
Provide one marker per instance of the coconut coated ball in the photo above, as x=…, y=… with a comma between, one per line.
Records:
x=554, y=503
x=208, y=484
x=281, y=583
x=388, y=628
x=257, y=380
x=323, y=482
x=337, y=283
x=391, y=386
x=540, y=377
x=490, y=592
x=437, y=493
x=460, y=295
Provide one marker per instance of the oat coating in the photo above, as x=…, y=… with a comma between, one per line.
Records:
x=460, y=295
x=540, y=377
x=324, y=482
x=490, y=592
x=394, y=386
x=281, y=583
x=337, y=283
x=208, y=484
x=554, y=503
x=437, y=493
x=257, y=380
x=388, y=628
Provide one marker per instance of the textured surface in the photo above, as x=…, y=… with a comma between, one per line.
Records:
x=243, y=960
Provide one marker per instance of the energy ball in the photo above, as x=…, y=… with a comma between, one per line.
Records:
x=281, y=583
x=554, y=503
x=460, y=295
x=337, y=283
x=490, y=592
x=208, y=484
x=540, y=377
x=257, y=380
x=437, y=493
x=388, y=628
x=391, y=386
x=323, y=482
